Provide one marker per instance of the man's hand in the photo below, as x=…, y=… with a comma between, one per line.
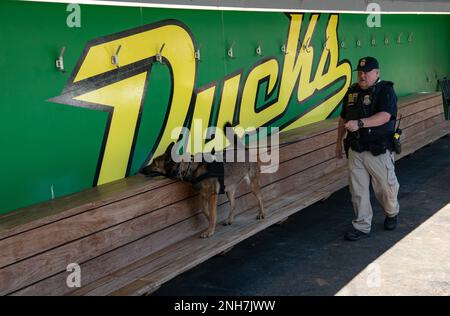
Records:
x=352, y=126
x=339, y=152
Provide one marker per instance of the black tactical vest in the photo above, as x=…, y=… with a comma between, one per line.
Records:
x=362, y=104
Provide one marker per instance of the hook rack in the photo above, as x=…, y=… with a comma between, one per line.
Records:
x=159, y=55
x=115, y=57
x=259, y=50
x=230, y=51
x=324, y=45
x=197, y=55
x=306, y=46
x=60, y=60
x=358, y=43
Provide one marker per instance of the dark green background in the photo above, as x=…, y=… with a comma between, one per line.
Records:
x=44, y=144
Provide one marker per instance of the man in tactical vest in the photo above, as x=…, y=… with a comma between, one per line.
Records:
x=368, y=116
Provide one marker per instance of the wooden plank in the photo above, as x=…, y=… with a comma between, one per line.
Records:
x=425, y=137
x=305, y=146
x=421, y=116
x=41, y=239
x=41, y=214
x=414, y=108
x=416, y=97
x=308, y=131
x=411, y=130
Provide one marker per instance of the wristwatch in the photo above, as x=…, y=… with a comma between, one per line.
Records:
x=360, y=123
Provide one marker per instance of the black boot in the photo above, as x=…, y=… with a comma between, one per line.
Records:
x=355, y=234
x=390, y=223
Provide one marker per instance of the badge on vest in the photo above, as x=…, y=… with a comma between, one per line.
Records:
x=367, y=100
x=352, y=97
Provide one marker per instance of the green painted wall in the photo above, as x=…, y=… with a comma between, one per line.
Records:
x=48, y=147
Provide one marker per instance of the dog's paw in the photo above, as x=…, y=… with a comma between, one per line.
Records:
x=260, y=216
x=206, y=234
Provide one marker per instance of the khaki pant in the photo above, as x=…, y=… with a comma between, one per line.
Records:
x=363, y=168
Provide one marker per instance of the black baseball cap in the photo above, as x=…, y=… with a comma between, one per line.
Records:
x=367, y=64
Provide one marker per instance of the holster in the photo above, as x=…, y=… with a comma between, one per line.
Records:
x=397, y=146
x=378, y=149
x=346, y=146
x=396, y=143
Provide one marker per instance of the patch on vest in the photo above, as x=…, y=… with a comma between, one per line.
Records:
x=367, y=100
x=352, y=97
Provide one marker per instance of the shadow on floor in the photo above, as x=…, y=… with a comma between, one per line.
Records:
x=307, y=255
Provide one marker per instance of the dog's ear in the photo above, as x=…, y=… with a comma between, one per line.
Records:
x=169, y=148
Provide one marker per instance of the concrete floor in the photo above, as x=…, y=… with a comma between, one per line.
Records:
x=307, y=255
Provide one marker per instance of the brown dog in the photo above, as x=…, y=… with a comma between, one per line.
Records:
x=206, y=179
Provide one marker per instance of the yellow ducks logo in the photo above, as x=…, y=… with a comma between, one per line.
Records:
x=119, y=87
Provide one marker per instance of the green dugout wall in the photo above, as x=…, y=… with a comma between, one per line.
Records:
x=63, y=132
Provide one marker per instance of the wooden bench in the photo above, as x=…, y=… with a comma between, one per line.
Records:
x=132, y=235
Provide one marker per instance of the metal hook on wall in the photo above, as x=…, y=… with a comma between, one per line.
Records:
x=358, y=43
x=60, y=60
x=386, y=40
x=159, y=55
x=197, y=55
x=399, y=38
x=410, y=37
x=115, y=57
x=230, y=51
x=324, y=45
x=259, y=50
x=307, y=46
x=373, y=41
x=342, y=43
